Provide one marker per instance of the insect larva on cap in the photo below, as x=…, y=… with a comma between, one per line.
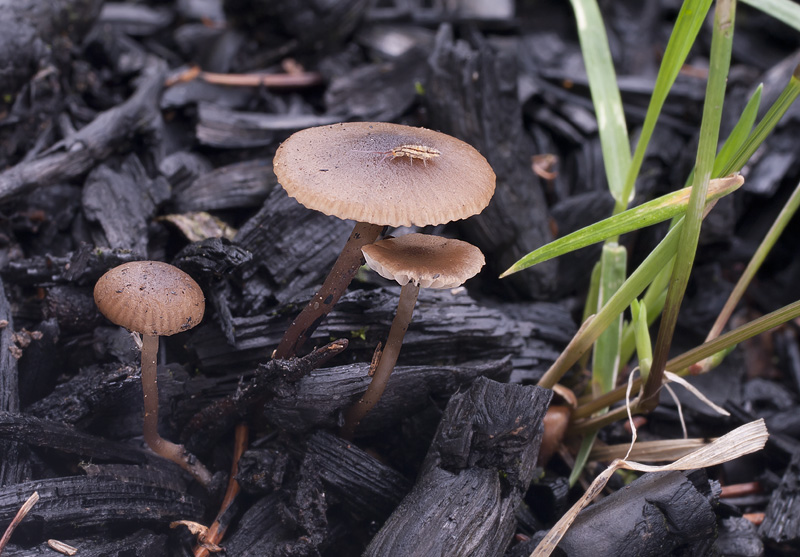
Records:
x=421, y=152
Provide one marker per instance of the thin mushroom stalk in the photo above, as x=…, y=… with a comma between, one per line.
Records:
x=339, y=278
x=388, y=359
x=159, y=445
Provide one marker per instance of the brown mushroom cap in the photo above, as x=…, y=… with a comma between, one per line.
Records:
x=347, y=170
x=429, y=261
x=150, y=297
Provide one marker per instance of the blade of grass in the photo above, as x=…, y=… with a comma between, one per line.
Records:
x=739, y=134
x=721, y=44
x=784, y=11
x=605, y=361
x=687, y=25
x=647, y=214
x=761, y=253
x=766, y=125
x=606, y=98
x=605, y=358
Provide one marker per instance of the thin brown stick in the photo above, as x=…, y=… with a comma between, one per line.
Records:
x=21, y=514
x=217, y=530
x=739, y=490
x=272, y=81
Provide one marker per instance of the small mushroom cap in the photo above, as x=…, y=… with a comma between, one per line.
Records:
x=429, y=261
x=348, y=170
x=150, y=297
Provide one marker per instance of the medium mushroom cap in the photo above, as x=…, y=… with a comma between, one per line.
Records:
x=150, y=297
x=384, y=174
x=429, y=261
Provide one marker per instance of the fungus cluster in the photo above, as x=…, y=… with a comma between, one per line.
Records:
x=154, y=299
x=343, y=170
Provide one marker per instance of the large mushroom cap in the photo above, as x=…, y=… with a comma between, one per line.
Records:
x=429, y=261
x=150, y=297
x=348, y=170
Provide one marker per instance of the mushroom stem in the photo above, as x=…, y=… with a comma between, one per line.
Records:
x=340, y=276
x=160, y=446
x=405, y=309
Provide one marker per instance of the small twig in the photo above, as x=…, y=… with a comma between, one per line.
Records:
x=21, y=513
x=739, y=490
x=272, y=81
x=217, y=530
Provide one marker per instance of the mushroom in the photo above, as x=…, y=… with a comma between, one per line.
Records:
x=154, y=299
x=415, y=261
x=365, y=171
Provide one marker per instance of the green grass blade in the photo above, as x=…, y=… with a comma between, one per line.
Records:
x=766, y=125
x=739, y=134
x=605, y=94
x=582, y=456
x=652, y=212
x=605, y=361
x=721, y=46
x=687, y=26
x=785, y=11
x=786, y=214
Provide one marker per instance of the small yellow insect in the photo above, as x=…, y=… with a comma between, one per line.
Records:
x=421, y=152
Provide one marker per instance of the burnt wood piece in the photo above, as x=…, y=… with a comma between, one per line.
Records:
x=123, y=202
x=474, y=476
x=781, y=526
x=42, y=363
x=35, y=34
x=142, y=543
x=95, y=393
x=304, y=24
x=273, y=377
x=653, y=516
x=214, y=262
x=365, y=487
x=282, y=523
x=72, y=308
x=266, y=528
x=294, y=245
x=90, y=504
x=14, y=465
x=738, y=537
x=108, y=132
x=244, y=184
x=107, y=400
x=223, y=128
x=472, y=94
x=66, y=439
x=448, y=328
x=262, y=470
x=319, y=398
x=380, y=92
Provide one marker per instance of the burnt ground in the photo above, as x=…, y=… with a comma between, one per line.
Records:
x=114, y=147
